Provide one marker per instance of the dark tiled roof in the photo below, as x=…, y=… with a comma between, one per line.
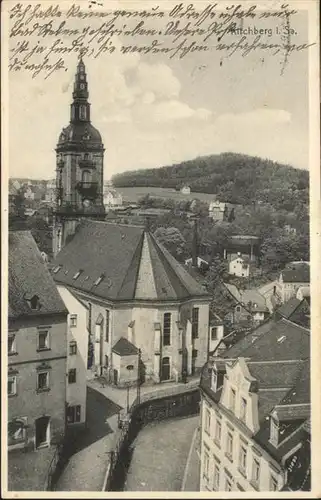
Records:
x=298, y=467
x=28, y=276
x=288, y=308
x=124, y=348
x=114, y=252
x=278, y=341
x=297, y=273
x=271, y=374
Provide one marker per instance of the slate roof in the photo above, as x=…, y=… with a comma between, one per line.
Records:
x=296, y=273
x=275, y=340
x=124, y=348
x=288, y=308
x=120, y=255
x=29, y=276
x=277, y=355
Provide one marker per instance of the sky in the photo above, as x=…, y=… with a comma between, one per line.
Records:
x=153, y=111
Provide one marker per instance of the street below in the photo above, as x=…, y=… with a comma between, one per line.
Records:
x=161, y=455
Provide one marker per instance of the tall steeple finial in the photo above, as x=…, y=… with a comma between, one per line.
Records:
x=80, y=108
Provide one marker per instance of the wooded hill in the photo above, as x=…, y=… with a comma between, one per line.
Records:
x=231, y=177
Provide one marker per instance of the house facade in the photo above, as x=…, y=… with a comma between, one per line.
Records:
x=294, y=276
x=255, y=406
x=112, y=198
x=37, y=349
x=240, y=267
x=77, y=358
x=185, y=190
x=140, y=300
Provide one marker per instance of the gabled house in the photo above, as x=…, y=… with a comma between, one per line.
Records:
x=136, y=291
x=240, y=266
x=37, y=355
x=294, y=276
x=296, y=310
x=250, y=306
x=255, y=410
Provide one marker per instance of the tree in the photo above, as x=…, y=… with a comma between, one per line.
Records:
x=172, y=239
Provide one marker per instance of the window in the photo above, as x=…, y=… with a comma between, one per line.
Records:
x=216, y=477
x=273, y=483
x=206, y=464
x=232, y=400
x=274, y=432
x=12, y=349
x=214, y=380
x=195, y=315
x=228, y=484
x=218, y=432
x=72, y=376
x=73, y=347
x=207, y=421
x=12, y=385
x=243, y=409
x=238, y=309
x=16, y=431
x=106, y=361
x=43, y=381
x=99, y=280
x=242, y=459
x=167, y=329
x=214, y=333
x=73, y=414
x=107, y=325
x=229, y=445
x=256, y=471
x=73, y=320
x=194, y=353
x=82, y=112
x=43, y=340
x=86, y=177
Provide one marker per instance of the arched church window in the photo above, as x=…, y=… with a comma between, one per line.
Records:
x=82, y=112
x=73, y=112
x=86, y=176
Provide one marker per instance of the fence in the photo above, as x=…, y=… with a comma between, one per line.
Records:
x=177, y=402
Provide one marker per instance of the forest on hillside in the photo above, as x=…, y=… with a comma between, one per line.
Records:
x=232, y=177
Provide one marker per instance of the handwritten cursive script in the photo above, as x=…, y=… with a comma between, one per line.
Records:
x=41, y=37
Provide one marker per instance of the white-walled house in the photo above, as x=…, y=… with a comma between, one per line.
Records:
x=240, y=266
x=139, y=298
x=185, y=190
x=294, y=276
x=77, y=349
x=255, y=413
x=216, y=332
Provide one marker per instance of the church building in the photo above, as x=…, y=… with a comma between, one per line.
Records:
x=147, y=318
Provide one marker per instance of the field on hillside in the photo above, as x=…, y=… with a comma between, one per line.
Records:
x=132, y=194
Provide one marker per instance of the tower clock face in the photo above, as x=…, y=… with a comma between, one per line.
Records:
x=86, y=203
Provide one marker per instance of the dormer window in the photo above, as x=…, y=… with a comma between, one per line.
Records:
x=99, y=280
x=34, y=303
x=274, y=432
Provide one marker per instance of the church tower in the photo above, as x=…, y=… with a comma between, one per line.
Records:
x=79, y=167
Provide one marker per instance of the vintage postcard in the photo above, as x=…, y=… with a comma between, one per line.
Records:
x=161, y=249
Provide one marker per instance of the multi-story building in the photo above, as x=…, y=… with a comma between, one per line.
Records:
x=255, y=409
x=138, y=297
x=37, y=349
x=77, y=360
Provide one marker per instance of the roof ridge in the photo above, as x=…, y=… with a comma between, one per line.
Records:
x=296, y=324
x=116, y=224
x=138, y=250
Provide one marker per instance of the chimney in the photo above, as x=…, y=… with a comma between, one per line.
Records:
x=195, y=245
